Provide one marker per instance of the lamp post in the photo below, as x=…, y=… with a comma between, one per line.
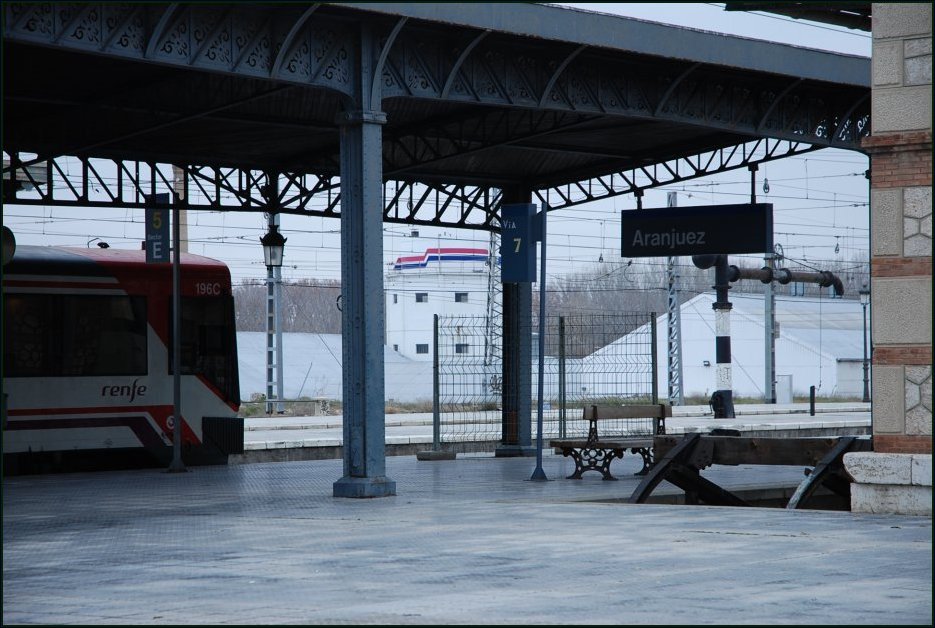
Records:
x=273, y=245
x=864, y=302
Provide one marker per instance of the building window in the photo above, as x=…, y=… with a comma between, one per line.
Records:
x=395, y=299
x=422, y=348
x=462, y=347
x=422, y=297
x=461, y=297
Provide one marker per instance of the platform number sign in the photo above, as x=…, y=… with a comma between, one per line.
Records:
x=157, y=229
x=518, y=243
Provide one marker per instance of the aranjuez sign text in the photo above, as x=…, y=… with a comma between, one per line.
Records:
x=699, y=230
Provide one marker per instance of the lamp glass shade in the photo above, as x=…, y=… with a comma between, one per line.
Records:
x=273, y=246
x=864, y=296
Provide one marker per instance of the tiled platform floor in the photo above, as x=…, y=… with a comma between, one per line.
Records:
x=469, y=541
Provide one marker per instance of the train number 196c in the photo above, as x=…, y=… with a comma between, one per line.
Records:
x=208, y=289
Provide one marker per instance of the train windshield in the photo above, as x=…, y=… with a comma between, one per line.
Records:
x=62, y=335
x=209, y=343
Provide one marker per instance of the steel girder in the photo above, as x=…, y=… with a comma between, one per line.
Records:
x=310, y=46
x=635, y=180
x=126, y=184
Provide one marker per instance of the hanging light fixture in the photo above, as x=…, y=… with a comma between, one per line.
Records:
x=273, y=245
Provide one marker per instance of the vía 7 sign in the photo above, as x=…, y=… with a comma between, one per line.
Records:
x=699, y=230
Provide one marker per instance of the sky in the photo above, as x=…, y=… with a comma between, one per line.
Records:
x=821, y=211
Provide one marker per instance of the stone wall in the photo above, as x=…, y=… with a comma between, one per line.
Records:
x=891, y=478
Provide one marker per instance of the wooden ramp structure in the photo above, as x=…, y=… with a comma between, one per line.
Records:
x=680, y=460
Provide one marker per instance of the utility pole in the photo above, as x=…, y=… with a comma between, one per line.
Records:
x=769, y=313
x=494, y=321
x=674, y=336
x=178, y=186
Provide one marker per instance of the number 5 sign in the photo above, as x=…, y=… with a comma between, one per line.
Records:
x=518, y=243
x=157, y=229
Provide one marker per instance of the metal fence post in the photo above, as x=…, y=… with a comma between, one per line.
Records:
x=655, y=359
x=436, y=453
x=436, y=414
x=561, y=377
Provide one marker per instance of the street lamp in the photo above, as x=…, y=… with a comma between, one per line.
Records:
x=273, y=245
x=864, y=302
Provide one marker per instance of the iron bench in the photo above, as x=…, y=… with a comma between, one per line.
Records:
x=641, y=424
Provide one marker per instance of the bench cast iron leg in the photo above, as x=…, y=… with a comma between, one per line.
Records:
x=592, y=460
x=646, y=454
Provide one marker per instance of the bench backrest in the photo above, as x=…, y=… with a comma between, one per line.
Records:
x=634, y=411
x=633, y=419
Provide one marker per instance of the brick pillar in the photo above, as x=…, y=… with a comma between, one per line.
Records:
x=897, y=476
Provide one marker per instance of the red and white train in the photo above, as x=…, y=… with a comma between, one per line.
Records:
x=87, y=361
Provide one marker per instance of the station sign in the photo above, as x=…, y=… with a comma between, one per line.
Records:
x=518, y=243
x=157, y=242
x=698, y=230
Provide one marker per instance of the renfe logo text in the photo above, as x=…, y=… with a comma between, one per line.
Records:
x=132, y=391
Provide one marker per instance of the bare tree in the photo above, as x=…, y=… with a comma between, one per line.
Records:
x=307, y=306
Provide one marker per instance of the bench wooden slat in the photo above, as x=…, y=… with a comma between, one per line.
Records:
x=616, y=443
x=634, y=411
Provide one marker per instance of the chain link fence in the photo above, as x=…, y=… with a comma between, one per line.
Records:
x=589, y=359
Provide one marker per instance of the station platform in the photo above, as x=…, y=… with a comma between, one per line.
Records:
x=279, y=438
x=465, y=541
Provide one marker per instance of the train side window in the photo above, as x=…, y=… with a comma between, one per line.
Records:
x=55, y=335
x=209, y=342
x=30, y=348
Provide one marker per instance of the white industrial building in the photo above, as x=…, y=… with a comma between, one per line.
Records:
x=819, y=340
x=312, y=367
x=820, y=343
x=448, y=281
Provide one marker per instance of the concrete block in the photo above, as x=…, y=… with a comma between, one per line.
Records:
x=921, y=469
x=926, y=387
x=917, y=222
x=902, y=310
x=913, y=395
x=888, y=63
x=888, y=399
x=919, y=421
x=917, y=47
x=902, y=109
x=918, y=375
x=886, y=219
x=868, y=467
x=918, y=245
x=917, y=202
x=918, y=71
x=901, y=20
x=900, y=500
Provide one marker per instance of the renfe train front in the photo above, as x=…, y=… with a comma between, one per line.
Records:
x=87, y=361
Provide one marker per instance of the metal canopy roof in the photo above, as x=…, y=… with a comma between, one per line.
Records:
x=856, y=15
x=487, y=95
